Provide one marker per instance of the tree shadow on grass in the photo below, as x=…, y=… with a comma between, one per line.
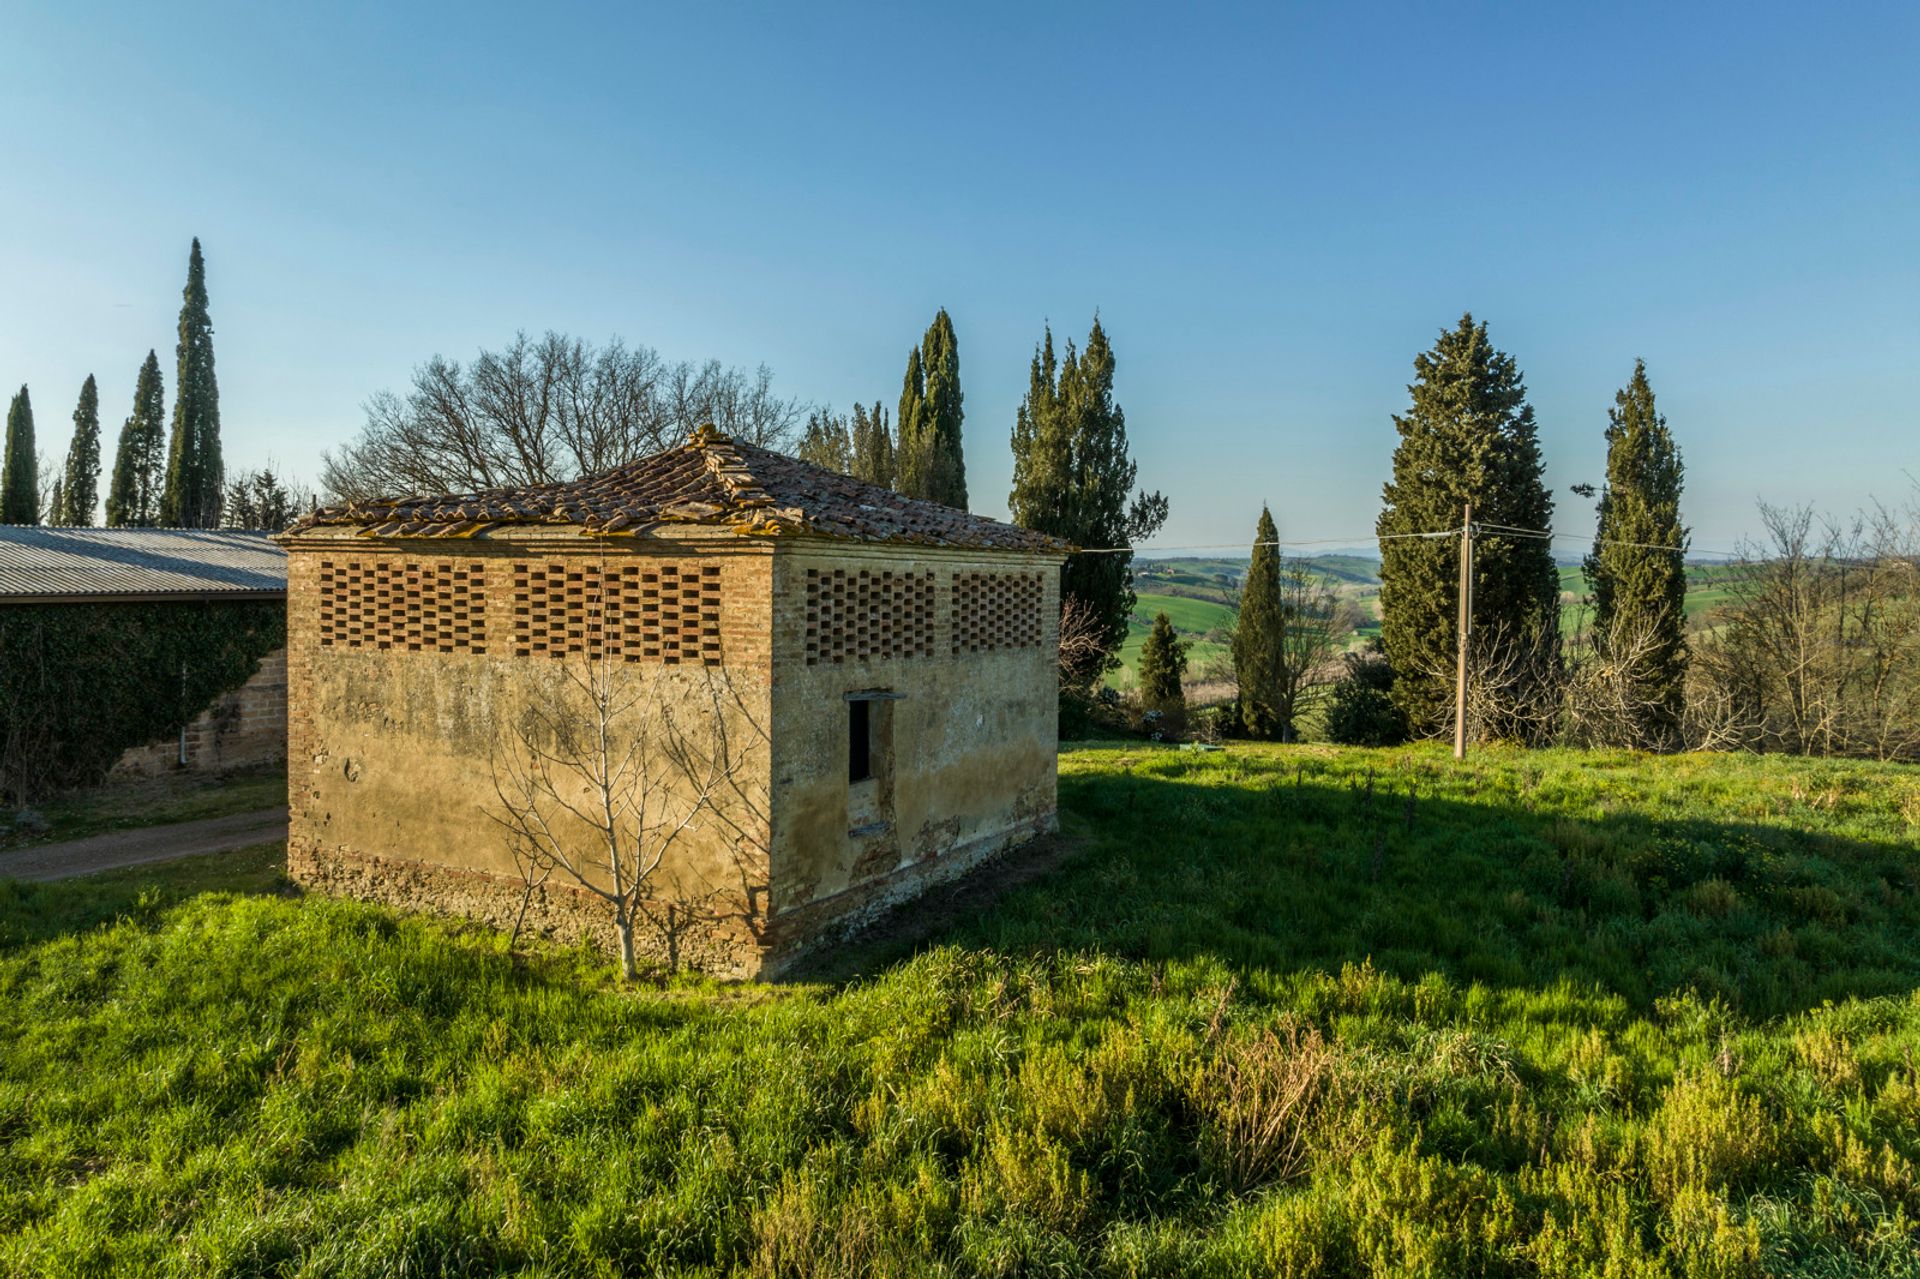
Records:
x=1273, y=873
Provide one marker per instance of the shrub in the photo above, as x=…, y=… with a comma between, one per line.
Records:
x=1707, y=1135
x=1361, y=711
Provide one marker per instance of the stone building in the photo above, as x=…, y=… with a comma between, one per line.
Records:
x=879, y=672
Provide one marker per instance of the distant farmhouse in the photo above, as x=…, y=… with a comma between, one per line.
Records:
x=879, y=674
x=138, y=650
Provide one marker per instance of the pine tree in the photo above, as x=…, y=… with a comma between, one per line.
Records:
x=931, y=463
x=1163, y=665
x=1072, y=478
x=258, y=500
x=195, y=473
x=873, y=453
x=20, y=471
x=1639, y=591
x=1468, y=437
x=80, y=486
x=826, y=443
x=133, y=495
x=1259, y=638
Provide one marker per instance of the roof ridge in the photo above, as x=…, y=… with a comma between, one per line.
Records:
x=725, y=462
x=710, y=478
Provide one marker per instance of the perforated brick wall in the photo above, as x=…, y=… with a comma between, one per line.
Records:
x=388, y=603
x=657, y=613
x=860, y=615
x=996, y=610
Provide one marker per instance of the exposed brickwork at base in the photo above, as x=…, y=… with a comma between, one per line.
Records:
x=724, y=947
x=563, y=913
x=802, y=932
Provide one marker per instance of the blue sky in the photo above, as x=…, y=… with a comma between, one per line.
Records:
x=1273, y=208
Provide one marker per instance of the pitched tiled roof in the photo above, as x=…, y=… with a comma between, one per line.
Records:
x=79, y=563
x=709, y=480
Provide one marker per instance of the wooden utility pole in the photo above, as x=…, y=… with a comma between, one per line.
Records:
x=1466, y=627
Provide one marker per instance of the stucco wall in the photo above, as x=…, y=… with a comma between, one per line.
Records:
x=965, y=743
x=397, y=755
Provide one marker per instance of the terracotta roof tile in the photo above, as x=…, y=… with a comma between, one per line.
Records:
x=711, y=479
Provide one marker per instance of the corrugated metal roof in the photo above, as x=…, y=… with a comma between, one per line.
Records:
x=67, y=563
x=709, y=480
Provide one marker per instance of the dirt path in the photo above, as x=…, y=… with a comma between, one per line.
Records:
x=121, y=848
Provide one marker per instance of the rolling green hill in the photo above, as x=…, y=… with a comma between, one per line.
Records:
x=1194, y=616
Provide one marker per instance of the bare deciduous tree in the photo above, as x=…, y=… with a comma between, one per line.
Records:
x=1818, y=650
x=1315, y=622
x=1515, y=686
x=610, y=770
x=1615, y=695
x=1083, y=644
x=545, y=411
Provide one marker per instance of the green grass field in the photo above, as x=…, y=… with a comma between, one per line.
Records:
x=1707, y=590
x=1189, y=616
x=1197, y=596
x=1288, y=1011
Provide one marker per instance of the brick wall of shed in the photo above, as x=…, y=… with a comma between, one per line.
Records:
x=971, y=731
x=391, y=773
x=246, y=728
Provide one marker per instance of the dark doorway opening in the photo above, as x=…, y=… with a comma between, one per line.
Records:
x=859, y=740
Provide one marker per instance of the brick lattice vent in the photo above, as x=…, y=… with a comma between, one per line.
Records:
x=996, y=610
x=664, y=613
x=861, y=615
x=437, y=607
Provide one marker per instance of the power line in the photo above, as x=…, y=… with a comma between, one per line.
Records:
x=1234, y=546
x=1545, y=534
x=1493, y=530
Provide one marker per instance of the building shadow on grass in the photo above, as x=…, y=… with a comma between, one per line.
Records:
x=1280, y=873
x=37, y=912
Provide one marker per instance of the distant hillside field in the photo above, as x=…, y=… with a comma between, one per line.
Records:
x=1199, y=596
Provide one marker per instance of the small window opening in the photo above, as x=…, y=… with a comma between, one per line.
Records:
x=859, y=740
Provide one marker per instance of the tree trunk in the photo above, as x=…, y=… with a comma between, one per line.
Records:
x=624, y=926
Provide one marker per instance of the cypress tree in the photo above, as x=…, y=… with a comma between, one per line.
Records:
x=873, y=453
x=1073, y=478
x=80, y=487
x=20, y=478
x=133, y=494
x=57, y=506
x=1469, y=436
x=932, y=464
x=1639, y=591
x=195, y=474
x=1259, y=655
x=910, y=467
x=1163, y=664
